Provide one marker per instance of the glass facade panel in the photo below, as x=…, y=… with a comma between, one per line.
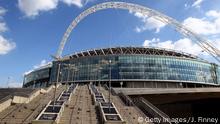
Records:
x=36, y=75
x=137, y=67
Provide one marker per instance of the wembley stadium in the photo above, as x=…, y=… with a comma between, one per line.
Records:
x=119, y=85
x=131, y=67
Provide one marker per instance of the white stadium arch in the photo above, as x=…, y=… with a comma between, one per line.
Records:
x=202, y=42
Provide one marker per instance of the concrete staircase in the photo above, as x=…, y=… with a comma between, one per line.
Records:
x=129, y=113
x=80, y=109
x=26, y=112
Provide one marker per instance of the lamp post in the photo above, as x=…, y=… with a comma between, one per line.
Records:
x=75, y=75
x=99, y=76
x=109, y=63
x=110, y=71
x=61, y=75
x=34, y=86
x=54, y=97
x=120, y=74
x=67, y=80
x=8, y=81
x=74, y=70
x=68, y=68
x=98, y=70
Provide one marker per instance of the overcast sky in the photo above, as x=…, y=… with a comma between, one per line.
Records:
x=31, y=30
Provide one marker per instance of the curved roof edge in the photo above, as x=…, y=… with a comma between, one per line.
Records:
x=49, y=65
x=131, y=50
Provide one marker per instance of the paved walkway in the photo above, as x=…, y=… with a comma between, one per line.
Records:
x=80, y=109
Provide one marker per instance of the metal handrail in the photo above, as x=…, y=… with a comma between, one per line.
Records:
x=106, y=86
x=150, y=110
x=162, y=114
x=113, y=92
x=127, y=101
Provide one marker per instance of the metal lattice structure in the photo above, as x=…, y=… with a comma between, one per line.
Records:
x=202, y=42
x=129, y=51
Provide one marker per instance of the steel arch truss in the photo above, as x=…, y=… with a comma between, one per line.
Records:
x=129, y=51
x=203, y=43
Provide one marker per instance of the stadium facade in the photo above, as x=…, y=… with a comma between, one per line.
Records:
x=129, y=67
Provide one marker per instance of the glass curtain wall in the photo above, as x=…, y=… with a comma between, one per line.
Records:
x=37, y=75
x=136, y=67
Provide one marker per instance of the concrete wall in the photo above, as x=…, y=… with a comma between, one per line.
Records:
x=21, y=99
x=152, y=85
x=5, y=104
x=34, y=95
x=42, y=90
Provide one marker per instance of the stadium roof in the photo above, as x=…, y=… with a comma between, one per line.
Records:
x=129, y=51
